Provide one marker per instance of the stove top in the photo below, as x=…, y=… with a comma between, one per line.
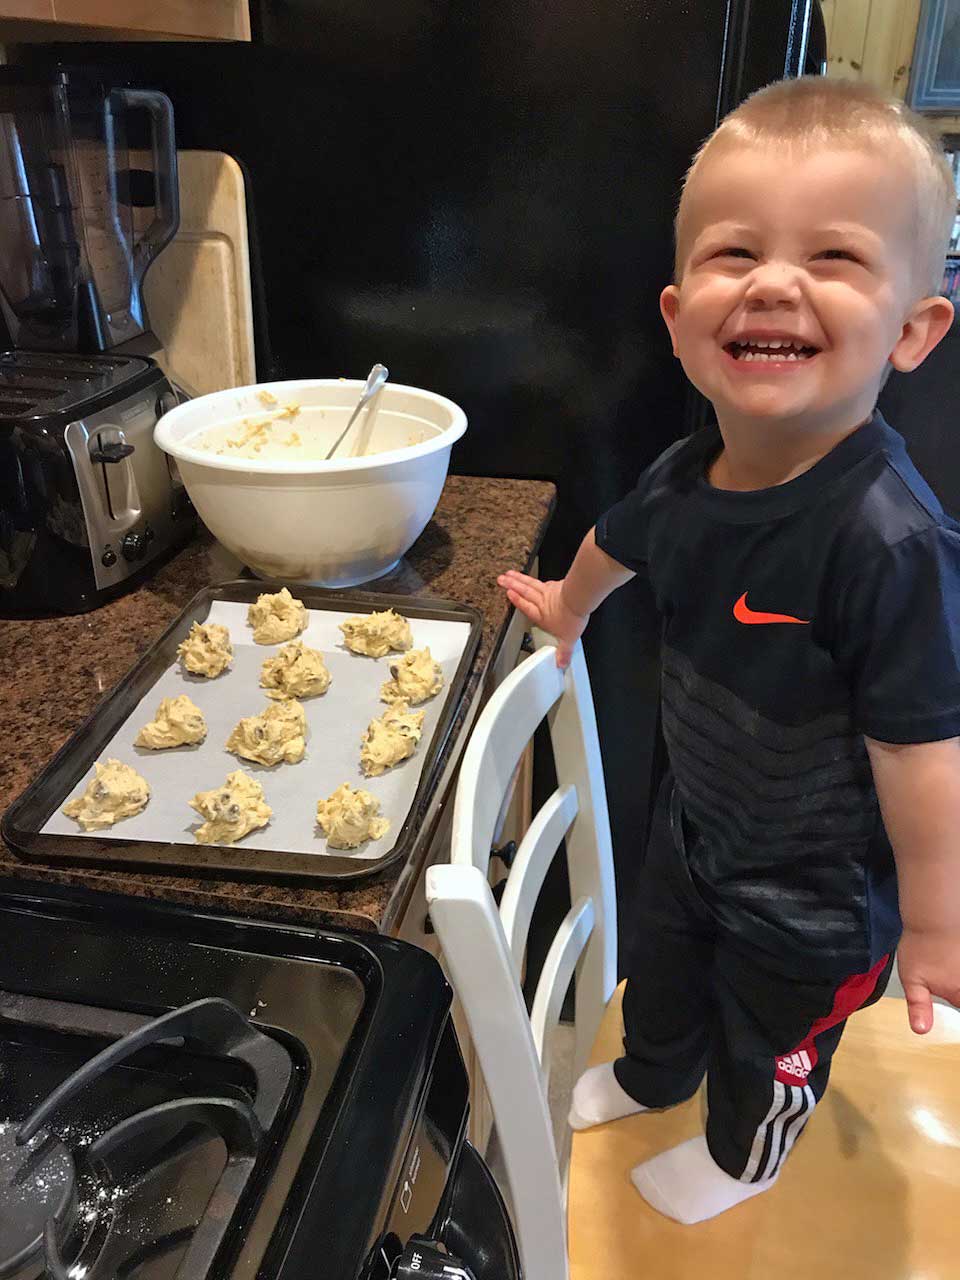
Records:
x=184, y=1127
x=183, y=1097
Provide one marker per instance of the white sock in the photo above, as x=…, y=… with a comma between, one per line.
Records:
x=598, y=1097
x=686, y=1184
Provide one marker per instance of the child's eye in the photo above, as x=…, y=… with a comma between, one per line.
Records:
x=733, y=251
x=838, y=255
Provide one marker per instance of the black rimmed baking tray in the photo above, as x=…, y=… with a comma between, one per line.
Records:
x=291, y=847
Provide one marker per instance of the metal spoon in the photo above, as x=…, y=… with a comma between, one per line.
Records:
x=375, y=380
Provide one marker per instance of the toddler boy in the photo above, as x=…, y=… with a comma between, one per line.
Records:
x=809, y=587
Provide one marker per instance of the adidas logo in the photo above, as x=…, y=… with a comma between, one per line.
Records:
x=797, y=1064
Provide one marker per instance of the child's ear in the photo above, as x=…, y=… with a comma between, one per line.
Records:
x=669, y=306
x=927, y=323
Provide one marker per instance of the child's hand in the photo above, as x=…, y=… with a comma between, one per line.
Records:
x=543, y=604
x=929, y=965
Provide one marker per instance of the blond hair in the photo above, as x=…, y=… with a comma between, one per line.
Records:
x=812, y=112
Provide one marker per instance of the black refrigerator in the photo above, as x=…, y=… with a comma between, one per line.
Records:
x=480, y=194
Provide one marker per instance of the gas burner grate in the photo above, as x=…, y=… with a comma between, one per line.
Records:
x=103, y=1211
x=38, y=1184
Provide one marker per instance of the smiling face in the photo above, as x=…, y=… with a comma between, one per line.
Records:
x=798, y=284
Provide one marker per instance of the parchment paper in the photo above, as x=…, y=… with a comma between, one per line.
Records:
x=335, y=723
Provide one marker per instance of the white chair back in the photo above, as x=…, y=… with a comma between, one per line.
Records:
x=484, y=947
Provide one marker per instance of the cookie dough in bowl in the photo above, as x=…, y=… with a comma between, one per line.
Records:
x=277, y=617
x=115, y=791
x=417, y=677
x=278, y=734
x=207, y=650
x=376, y=634
x=232, y=811
x=350, y=817
x=295, y=672
x=178, y=723
x=288, y=513
x=391, y=738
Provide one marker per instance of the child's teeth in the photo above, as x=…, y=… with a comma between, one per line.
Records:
x=764, y=355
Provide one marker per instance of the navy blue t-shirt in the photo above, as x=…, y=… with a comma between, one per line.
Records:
x=796, y=620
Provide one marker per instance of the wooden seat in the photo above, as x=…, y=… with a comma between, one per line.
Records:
x=871, y=1191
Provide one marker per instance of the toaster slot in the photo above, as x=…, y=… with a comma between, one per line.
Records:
x=112, y=453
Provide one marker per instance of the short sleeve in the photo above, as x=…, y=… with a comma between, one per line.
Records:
x=622, y=530
x=901, y=627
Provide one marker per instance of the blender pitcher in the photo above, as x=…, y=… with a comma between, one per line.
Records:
x=72, y=261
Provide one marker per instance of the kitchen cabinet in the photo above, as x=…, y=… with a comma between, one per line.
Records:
x=39, y=10
x=875, y=40
x=34, y=20
x=872, y=40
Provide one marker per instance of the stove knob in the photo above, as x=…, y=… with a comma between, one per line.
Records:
x=133, y=546
x=423, y=1262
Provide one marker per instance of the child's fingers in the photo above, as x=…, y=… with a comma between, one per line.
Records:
x=527, y=589
x=529, y=608
x=919, y=1007
x=514, y=579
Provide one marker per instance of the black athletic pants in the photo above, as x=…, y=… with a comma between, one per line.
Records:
x=702, y=1001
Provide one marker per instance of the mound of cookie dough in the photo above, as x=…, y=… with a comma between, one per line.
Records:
x=277, y=617
x=207, y=650
x=390, y=739
x=115, y=791
x=232, y=811
x=178, y=723
x=348, y=818
x=375, y=634
x=296, y=672
x=278, y=734
x=416, y=677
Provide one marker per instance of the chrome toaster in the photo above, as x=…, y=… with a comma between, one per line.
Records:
x=88, y=503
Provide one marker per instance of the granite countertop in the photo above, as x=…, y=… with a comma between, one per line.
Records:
x=55, y=670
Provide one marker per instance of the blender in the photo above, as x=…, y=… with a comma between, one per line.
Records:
x=87, y=501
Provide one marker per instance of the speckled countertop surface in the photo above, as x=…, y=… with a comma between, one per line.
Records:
x=53, y=672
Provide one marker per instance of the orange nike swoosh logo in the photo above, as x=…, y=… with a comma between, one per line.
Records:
x=743, y=613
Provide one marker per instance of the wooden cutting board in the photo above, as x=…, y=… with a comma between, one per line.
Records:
x=197, y=292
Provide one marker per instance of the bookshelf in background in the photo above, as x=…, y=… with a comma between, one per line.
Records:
x=951, y=272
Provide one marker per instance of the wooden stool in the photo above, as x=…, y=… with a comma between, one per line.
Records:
x=870, y=1192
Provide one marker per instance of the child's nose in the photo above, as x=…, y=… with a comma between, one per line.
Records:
x=772, y=283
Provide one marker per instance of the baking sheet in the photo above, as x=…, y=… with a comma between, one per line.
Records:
x=335, y=723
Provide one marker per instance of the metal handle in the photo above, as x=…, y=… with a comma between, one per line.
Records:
x=375, y=380
x=112, y=452
x=166, y=185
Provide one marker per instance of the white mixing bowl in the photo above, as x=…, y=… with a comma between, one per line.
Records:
x=330, y=524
